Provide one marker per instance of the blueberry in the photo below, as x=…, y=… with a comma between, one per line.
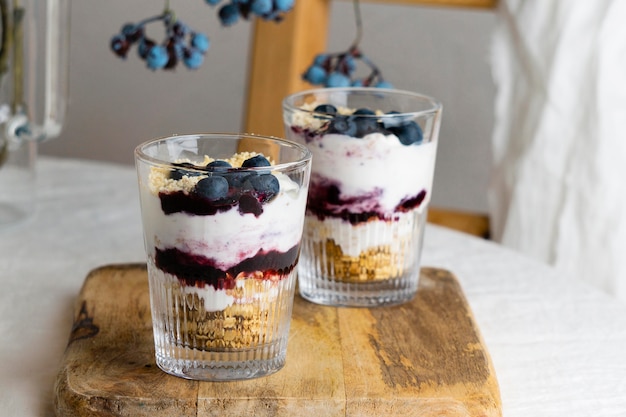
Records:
x=408, y=133
x=238, y=179
x=326, y=109
x=343, y=125
x=320, y=60
x=120, y=45
x=337, y=79
x=193, y=58
x=315, y=75
x=157, y=57
x=366, y=125
x=261, y=7
x=179, y=29
x=178, y=173
x=229, y=14
x=256, y=161
x=200, y=41
x=348, y=63
x=144, y=46
x=212, y=188
x=265, y=185
x=132, y=32
x=218, y=165
x=365, y=122
x=393, y=121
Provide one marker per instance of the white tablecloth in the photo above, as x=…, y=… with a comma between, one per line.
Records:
x=557, y=344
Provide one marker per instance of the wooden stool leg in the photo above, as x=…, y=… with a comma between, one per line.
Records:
x=476, y=224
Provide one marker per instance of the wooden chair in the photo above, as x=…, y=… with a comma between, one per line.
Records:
x=282, y=52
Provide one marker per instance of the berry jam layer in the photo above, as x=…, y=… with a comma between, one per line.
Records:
x=181, y=202
x=326, y=200
x=200, y=271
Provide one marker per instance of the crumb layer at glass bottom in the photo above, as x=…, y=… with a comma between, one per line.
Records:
x=245, y=339
x=371, y=264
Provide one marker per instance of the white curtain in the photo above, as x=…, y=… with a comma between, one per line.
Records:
x=558, y=188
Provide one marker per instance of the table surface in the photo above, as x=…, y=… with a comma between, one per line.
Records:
x=557, y=344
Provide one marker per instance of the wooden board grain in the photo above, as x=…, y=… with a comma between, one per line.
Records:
x=424, y=358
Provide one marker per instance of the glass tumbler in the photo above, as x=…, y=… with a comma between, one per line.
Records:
x=374, y=154
x=222, y=228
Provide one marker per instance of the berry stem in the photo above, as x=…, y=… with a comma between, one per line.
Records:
x=359, y=24
x=163, y=16
x=168, y=13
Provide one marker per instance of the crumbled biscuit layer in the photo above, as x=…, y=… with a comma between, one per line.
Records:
x=244, y=324
x=377, y=263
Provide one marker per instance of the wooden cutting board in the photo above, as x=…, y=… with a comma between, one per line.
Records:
x=424, y=358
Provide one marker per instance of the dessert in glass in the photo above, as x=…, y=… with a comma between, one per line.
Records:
x=374, y=154
x=222, y=229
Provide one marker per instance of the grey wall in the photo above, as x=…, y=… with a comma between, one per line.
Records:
x=115, y=105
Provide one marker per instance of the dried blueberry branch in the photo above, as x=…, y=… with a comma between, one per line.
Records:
x=179, y=44
x=338, y=69
x=183, y=44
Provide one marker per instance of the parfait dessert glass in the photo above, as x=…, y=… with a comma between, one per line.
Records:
x=374, y=154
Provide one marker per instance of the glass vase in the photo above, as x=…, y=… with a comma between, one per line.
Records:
x=34, y=57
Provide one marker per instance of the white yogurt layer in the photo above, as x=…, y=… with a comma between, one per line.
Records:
x=228, y=237
x=375, y=161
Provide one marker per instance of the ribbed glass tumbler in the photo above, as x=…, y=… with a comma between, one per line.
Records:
x=371, y=182
x=222, y=228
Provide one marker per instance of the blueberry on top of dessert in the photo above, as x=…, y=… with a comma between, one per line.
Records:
x=362, y=122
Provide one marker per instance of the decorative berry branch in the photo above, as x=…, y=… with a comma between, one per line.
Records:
x=170, y=51
x=183, y=44
x=339, y=69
